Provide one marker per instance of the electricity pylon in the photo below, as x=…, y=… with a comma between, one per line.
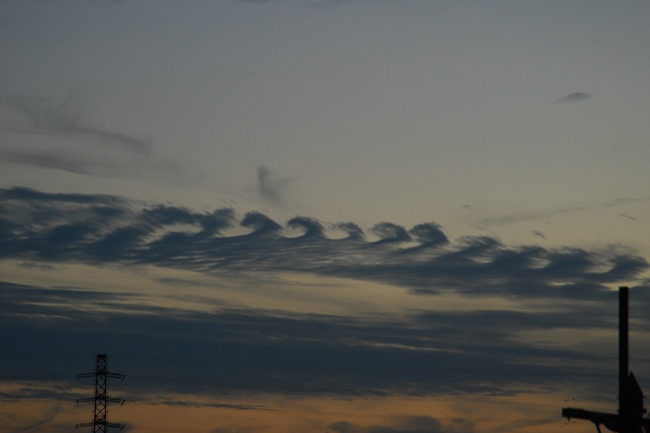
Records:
x=101, y=399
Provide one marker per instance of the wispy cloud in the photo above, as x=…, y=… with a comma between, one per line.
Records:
x=538, y=234
x=574, y=97
x=68, y=143
x=631, y=218
x=269, y=186
x=416, y=424
x=312, y=3
x=61, y=118
x=49, y=159
x=525, y=215
x=532, y=215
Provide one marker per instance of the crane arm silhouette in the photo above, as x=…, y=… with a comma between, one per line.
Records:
x=609, y=420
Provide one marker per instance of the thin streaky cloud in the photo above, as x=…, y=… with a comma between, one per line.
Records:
x=532, y=215
x=47, y=116
x=89, y=164
x=575, y=97
x=49, y=160
x=415, y=424
x=631, y=218
x=538, y=234
x=546, y=214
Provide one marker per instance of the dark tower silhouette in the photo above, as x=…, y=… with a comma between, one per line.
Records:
x=630, y=397
x=101, y=398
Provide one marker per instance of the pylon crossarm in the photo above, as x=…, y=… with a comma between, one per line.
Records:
x=92, y=424
x=84, y=400
x=101, y=399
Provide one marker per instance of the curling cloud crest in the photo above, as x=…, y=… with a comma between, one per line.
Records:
x=42, y=227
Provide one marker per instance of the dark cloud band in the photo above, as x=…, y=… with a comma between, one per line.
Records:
x=93, y=229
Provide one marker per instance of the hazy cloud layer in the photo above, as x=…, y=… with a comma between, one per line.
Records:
x=244, y=351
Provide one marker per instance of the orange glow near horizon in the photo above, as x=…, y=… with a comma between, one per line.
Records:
x=270, y=414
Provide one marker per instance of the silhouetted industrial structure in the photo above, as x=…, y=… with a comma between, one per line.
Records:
x=629, y=418
x=101, y=398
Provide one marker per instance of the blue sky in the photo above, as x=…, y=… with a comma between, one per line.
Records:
x=334, y=216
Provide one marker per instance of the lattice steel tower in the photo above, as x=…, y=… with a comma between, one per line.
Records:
x=101, y=398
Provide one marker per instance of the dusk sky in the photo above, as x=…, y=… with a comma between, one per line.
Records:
x=322, y=216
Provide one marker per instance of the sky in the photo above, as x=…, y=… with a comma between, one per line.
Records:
x=322, y=216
